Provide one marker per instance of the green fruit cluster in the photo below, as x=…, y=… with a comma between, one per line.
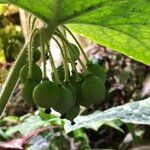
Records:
x=91, y=88
x=67, y=95
x=60, y=72
x=29, y=83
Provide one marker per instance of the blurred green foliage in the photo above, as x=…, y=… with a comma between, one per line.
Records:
x=53, y=139
x=11, y=38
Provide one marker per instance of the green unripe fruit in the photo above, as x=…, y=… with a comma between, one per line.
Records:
x=28, y=90
x=84, y=102
x=73, y=79
x=61, y=73
x=36, y=56
x=98, y=71
x=66, y=101
x=72, y=112
x=93, y=90
x=74, y=52
x=36, y=73
x=46, y=94
x=71, y=88
x=77, y=85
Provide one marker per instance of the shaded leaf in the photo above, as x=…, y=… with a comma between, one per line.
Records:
x=121, y=25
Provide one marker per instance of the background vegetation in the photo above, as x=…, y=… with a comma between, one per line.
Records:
x=127, y=81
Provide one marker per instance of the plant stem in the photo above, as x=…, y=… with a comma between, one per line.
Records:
x=52, y=62
x=72, y=62
x=83, y=53
x=132, y=131
x=82, y=65
x=12, y=78
x=43, y=54
x=30, y=60
x=33, y=23
x=64, y=61
x=79, y=60
x=30, y=54
x=29, y=23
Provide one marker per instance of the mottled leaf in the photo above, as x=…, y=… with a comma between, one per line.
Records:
x=135, y=112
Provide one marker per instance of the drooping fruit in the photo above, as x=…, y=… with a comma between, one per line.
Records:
x=83, y=102
x=66, y=101
x=72, y=113
x=27, y=91
x=73, y=52
x=71, y=88
x=93, y=90
x=73, y=80
x=36, y=56
x=77, y=85
x=98, y=71
x=36, y=73
x=46, y=94
x=61, y=73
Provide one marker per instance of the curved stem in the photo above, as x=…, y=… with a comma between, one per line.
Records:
x=82, y=65
x=33, y=23
x=64, y=61
x=52, y=62
x=29, y=22
x=30, y=54
x=83, y=53
x=12, y=78
x=43, y=55
x=30, y=60
x=72, y=62
x=132, y=131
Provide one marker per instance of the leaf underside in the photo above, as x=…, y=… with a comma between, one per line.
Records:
x=135, y=112
x=122, y=25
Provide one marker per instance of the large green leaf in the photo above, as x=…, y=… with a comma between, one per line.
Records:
x=122, y=25
x=135, y=112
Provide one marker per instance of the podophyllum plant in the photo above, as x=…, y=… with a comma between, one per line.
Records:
x=121, y=25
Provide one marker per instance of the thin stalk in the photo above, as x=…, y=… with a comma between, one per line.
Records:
x=132, y=131
x=30, y=60
x=43, y=55
x=33, y=23
x=79, y=60
x=82, y=65
x=29, y=23
x=30, y=55
x=72, y=62
x=86, y=72
x=64, y=61
x=52, y=62
x=83, y=53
